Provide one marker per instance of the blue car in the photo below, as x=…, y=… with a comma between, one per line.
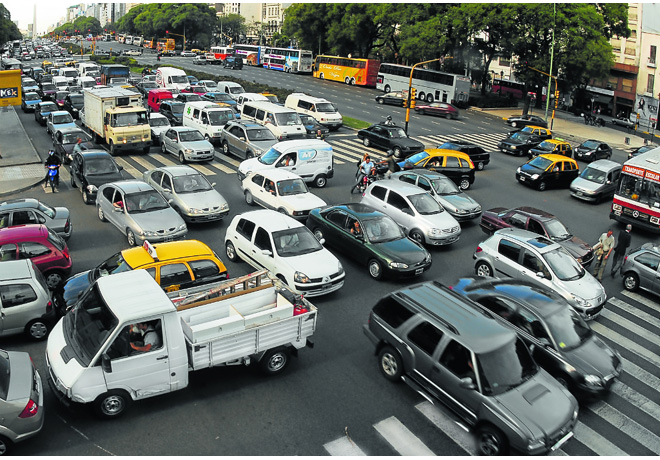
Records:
x=29, y=101
x=58, y=120
x=29, y=85
x=42, y=110
x=220, y=97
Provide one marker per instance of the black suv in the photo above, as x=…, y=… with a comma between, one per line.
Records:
x=448, y=348
x=477, y=154
x=519, y=144
x=390, y=137
x=173, y=110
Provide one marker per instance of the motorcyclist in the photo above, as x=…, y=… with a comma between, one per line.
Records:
x=392, y=165
x=366, y=168
x=53, y=160
x=389, y=121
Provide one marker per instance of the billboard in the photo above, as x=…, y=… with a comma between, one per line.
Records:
x=10, y=87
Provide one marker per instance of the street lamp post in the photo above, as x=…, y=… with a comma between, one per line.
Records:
x=410, y=89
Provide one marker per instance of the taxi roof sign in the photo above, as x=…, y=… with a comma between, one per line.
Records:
x=150, y=249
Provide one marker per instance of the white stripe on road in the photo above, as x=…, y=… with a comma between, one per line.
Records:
x=401, y=438
x=129, y=168
x=650, y=319
x=641, y=299
x=343, y=447
x=626, y=343
x=204, y=170
x=449, y=427
x=146, y=164
x=162, y=159
x=629, y=325
x=227, y=159
x=595, y=442
x=640, y=374
x=636, y=399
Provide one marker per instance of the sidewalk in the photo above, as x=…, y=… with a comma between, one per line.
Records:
x=20, y=166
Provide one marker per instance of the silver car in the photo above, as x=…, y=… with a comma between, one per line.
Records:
x=641, y=269
x=139, y=212
x=445, y=192
x=188, y=192
x=520, y=254
x=246, y=140
x=598, y=181
x=416, y=212
x=22, y=211
x=187, y=143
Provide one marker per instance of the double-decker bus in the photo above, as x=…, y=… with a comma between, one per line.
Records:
x=219, y=53
x=637, y=197
x=352, y=71
x=251, y=54
x=507, y=87
x=288, y=60
x=431, y=85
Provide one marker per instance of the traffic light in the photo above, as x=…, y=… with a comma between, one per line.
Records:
x=413, y=97
x=167, y=32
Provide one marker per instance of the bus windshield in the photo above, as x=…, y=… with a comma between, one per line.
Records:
x=640, y=189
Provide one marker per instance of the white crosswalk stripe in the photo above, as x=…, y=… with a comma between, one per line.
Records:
x=449, y=427
x=641, y=299
x=343, y=447
x=401, y=438
x=595, y=442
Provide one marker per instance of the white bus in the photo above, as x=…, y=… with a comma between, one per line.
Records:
x=431, y=85
x=137, y=41
x=129, y=40
x=251, y=54
x=288, y=60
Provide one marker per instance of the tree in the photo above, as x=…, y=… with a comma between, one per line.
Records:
x=232, y=25
x=8, y=30
x=308, y=23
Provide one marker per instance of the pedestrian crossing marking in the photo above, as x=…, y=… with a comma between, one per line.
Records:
x=343, y=447
x=626, y=425
x=227, y=159
x=162, y=159
x=650, y=319
x=401, y=438
x=641, y=299
x=224, y=169
x=597, y=443
x=636, y=399
x=203, y=169
x=143, y=162
x=626, y=343
x=448, y=426
x=631, y=326
x=640, y=374
x=129, y=168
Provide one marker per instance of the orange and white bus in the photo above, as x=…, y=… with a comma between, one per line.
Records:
x=352, y=71
x=220, y=53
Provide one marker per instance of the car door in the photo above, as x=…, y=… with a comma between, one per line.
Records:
x=356, y=244
x=532, y=330
x=155, y=179
x=570, y=172
x=114, y=215
x=23, y=217
x=649, y=276
x=171, y=142
x=422, y=340
x=242, y=239
x=552, y=174
x=173, y=277
x=334, y=229
x=263, y=252
x=256, y=187
x=534, y=269
x=507, y=260
x=77, y=169
x=380, y=137
x=18, y=306
x=166, y=187
x=452, y=168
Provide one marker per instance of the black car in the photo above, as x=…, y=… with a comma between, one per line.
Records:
x=519, y=121
x=395, y=98
x=377, y=241
x=233, y=62
x=188, y=97
x=47, y=91
x=145, y=86
x=44, y=78
x=390, y=138
x=546, y=171
x=519, y=143
x=477, y=154
x=92, y=168
x=73, y=103
x=173, y=110
x=66, y=139
x=591, y=150
x=639, y=150
x=42, y=111
x=312, y=126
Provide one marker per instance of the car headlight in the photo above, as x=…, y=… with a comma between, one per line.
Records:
x=224, y=207
x=340, y=269
x=580, y=301
x=428, y=257
x=461, y=211
x=434, y=232
x=181, y=227
x=518, y=170
x=535, y=176
x=147, y=233
x=298, y=213
x=92, y=188
x=513, y=147
x=398, y=265
x=188, y=150
x=195, y=211
x=593, y=381
x=535, y=444
x=300, y=277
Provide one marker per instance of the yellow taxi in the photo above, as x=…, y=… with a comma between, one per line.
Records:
x=456, y=165
x=556, y=146
x=271, y=97
x=549, y=170
x=543, y=133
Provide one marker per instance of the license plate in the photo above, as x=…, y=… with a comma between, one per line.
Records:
x=522, y=179
x=419, y=271
x=326, y=286
x=579, y=193
x=618, y=213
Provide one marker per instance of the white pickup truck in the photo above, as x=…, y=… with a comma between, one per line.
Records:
x=92, y=357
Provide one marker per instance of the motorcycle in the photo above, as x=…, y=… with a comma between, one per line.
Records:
x=53, y=177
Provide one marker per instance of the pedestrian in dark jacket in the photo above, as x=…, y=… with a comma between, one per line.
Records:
x=622, y=245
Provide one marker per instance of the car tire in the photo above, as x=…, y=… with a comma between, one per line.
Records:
x=130, y=237
x=375, y=269
x=249, y=199
x=480, y=166
x=5, y=446
x=274, y=361
x=112, y=404
x=630, y=281
x=464, y=184
x=182, y=158
x=320, y=181
x=387, y=89
x=366, y=142
x=249, y=155
x=380, y=101
x=318, y=234
x=54, y=279
x=230, y=251
x=85, y=197
x=390, y=363
x=225, y=147
x=112, y=148
x=100, y=213
x=483, y=269
x=37, y=330
x=417, y=236
x=421, y=95
x=491, y=441
x=541, y=186
x=162, y=147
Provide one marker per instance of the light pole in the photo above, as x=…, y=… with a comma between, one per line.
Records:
x=410, y=89
x=552, y=55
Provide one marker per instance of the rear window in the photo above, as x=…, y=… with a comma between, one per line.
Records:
x=56, y=240
x=4, y=374
x=392, y=312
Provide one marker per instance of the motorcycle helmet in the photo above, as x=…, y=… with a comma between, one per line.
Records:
x=51, y=152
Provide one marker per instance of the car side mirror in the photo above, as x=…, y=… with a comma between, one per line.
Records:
x=213, y=184
x=106, y=364
x=242, y=138
x=467, y=383
x=170, y=201
x=120, y=167
x=322, y=241
x=167, y=190
x=540, y=274
x=608, y=182
x=267, y=252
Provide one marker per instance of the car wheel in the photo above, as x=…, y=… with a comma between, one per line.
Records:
x=380, y=101
x=375, y=269
x=480, y=166
x=230, y=250
x=112, y=404
x=491, y=441
x=37, y=330
x=429, y=98
x=249, y=199
x=54, y=279
x=318, y=234
x=100, y=213
x=483, y=269
x=321, y=76
x=366, y=142
x=249, y=155
x=274, y=361
x=542, y=186
x=388, y=89
x=397, y=152
x=390, y=364
x=465, y=183
x=182, y=158
x=5, y=445
x=320, y=181
x=417, y=236
x=85, y=197
x=162, y=147
x=630, y=281
x=130, y=237
x=514, y=124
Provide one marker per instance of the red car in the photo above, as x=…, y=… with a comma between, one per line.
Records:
x=439, y=109
x=197, y=89
x=46, y=248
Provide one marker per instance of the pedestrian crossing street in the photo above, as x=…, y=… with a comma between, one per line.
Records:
x=626, y=422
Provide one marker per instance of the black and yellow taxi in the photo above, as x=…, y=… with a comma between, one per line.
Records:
x=456, y=165
x=556, y=146
x=174, y=265
x=540, y=131
x=549, y=170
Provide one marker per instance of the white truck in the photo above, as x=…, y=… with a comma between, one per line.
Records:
x=117, y=116
x=90, y=354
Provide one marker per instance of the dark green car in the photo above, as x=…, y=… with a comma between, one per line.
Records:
x=371, y=238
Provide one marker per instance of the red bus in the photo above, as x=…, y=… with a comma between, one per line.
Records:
x=506, y=87
x=352, y=71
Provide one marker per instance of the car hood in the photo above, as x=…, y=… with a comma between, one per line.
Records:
x=197, y=145
x=408, y=142
x=460, y=201
x=403, y=250
x=575, y=246
x=154, y=221
x=442, y=220
x=510, y=141
x=75, y=285
x=100, y=179
x=593, y=357
x=303, y=201
x=585, y=184
x=317, y=264
x=203, y=200
x=158, y=130
x=586, y=287
x=57, y=127
x=263, y=145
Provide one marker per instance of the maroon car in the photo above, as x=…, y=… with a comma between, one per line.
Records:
x=439, y=109
x=537, y=221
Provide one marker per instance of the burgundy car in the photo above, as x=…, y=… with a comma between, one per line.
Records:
x=439, y=109
x=46, y=248
x=537, y=221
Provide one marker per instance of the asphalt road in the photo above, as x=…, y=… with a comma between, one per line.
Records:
x=333, y=394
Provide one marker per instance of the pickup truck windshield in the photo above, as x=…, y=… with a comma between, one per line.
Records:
x=130, y=119
x=506, y=368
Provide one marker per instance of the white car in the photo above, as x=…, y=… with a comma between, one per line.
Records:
x=281, y=191
x=269, y=240
x=187, y=54
x=133, y=53
x=159, y=124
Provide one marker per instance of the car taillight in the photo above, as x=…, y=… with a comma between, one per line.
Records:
x=30, y=410
x=478, y=249
x=625, y=259
x=49, y=307
x=66, y=226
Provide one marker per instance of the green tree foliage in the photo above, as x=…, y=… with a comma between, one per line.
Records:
x=8, y=30
x=308, y=23
x=232, y=25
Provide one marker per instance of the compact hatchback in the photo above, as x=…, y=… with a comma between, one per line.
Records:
x=21, y=211
x=548, y=171
x=592, y=149
x=641, y=269
x=598, y=181
x=454, y=164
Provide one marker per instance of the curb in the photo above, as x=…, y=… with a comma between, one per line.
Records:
x=22, y=188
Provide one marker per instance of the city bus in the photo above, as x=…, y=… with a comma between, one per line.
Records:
x=507, y=87
x=637, y=197
x=431, y=85
x=288, y=60
x=219, y=53
x=352, y=71
x=251, y=54
x=11, y=64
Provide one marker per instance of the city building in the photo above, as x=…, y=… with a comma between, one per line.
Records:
x=261, y=19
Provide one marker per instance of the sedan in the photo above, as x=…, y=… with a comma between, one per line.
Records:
x=390, y=138
x=477, y=154
x=396, y=98
x=65, y=140
x=525, y=120
x=159, y=124
x=30, y=101
x=92, y=168
x=623, y=121
x=73, y=103
x=187, y=143
x=139, y=212
x=189, y=193
x=195, y=89
x=519, y=144
x=22, y=211
x=219, y=97
x=539, y=222
x=592, y=149
x=43, y=110
x=187, y=54
x=544, y=171
x=639, y=150
x=145, y=86
x=199, y=60
x=376, y=241
x=47, y=91
x=58, y=120
x=439, y=109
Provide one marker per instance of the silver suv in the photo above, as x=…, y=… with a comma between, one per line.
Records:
x=521, y=254
x=451, y=350
x=641, y=269
x=246, y=140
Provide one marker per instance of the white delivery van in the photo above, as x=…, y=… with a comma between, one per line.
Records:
x=284, y=123
x=69, y=73
x=250, y=97
x=60, y=82
x=321, y=109
x=208, y=118
x=85, y=67
x=232, y=88
x=172, y=79
x=311, y=159
x=86, y=82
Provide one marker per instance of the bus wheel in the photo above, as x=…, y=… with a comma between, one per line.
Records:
x=321, y=76
x=420, y=96
x=387, y=88
x=429, y=98
x=353, y=81
x=347, y=81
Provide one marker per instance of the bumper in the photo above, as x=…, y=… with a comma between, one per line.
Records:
x=584, y=157
x=591, y=312
x=120, y=146
x=583, y=196
x=466, y=217
x=312, y=290
x=205, y=217
x=36, y=422
x=162, y=238
x=66, y=235
x=655, y=228
x=207, y=156
x=526, y=180
x=442, y=240
x=409, y=272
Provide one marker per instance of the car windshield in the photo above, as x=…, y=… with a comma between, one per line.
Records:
x=382, y=229
x=190, y=136
x=295, y=242
x=176, y=108
x=306, y=119
x=564, y=266
x=506, y=368
x=178, y=79
x=397, y=133
x=594, y=175
x=77, y=100
x=28, y=82
x=70, y=73
x=72, y=138
x=547, y=145
x=130, y=119
x=197, y=89
x=269, y=157
x=191, y=184
x=149, y=85
x=146, y=201
x=236, y=90
x=209, y=84
x=93, y=74
x=59, y=119
x=50, y=107
x=272, y=98
x=115, y=264
x=425, y=204
x=260, y=134
x=568, y=329
x=556, y=230
x=540, y=163
x=48, y=87
x=61, y=95
x=191, y=97
x=32, y=97
x=98, y=166
x=221, y=97
x=159, y=122
x=291, y=187
x=220, y=117
x=590, y=145
x=444, y=186
x=288, y=119
x=325, y=107
x=418, y=157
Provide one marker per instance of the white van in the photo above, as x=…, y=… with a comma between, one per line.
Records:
x=311, y=159
x=208, y=118
x=321, y=109
x=250, y=97
x=60, y=82
x=284, y=123
x=173, y=79
x=84, y=67
x=232, y=88
x=86, y=82
x=69, y=73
